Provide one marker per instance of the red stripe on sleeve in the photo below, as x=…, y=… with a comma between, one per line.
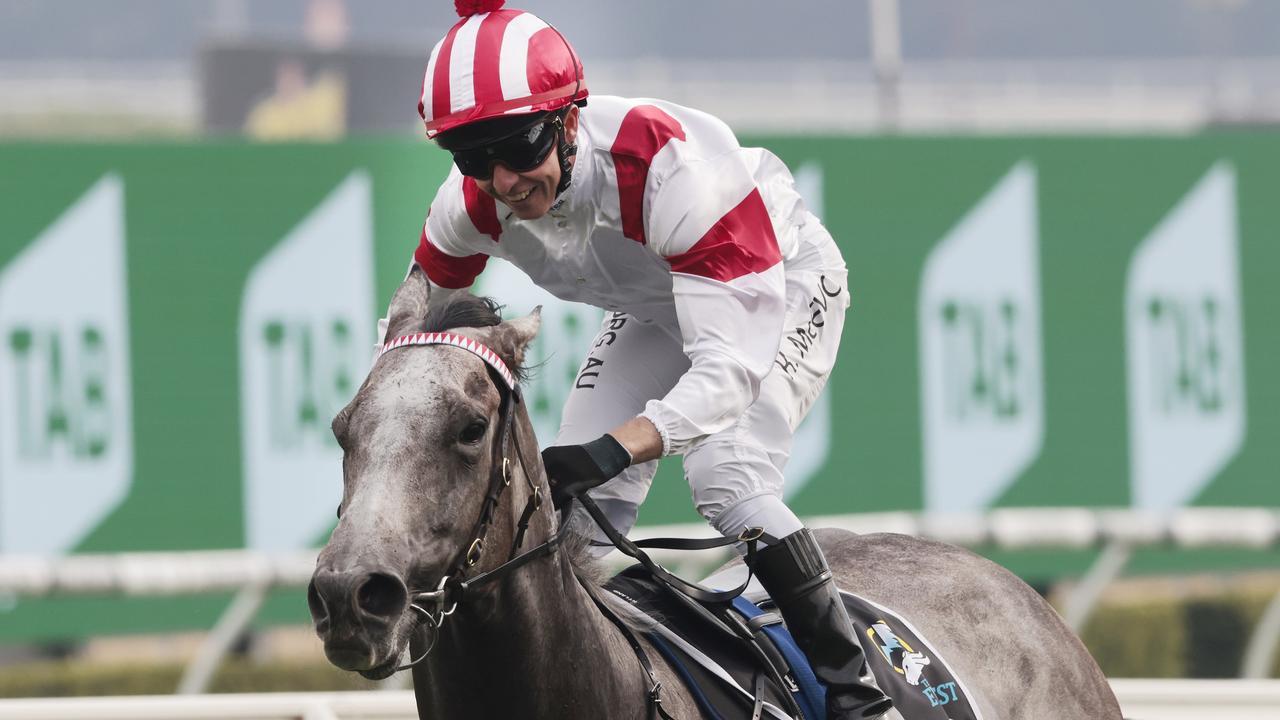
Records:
x=488, y=77
x=739, y=243
x=481, y=208
x=645, y=130
x=440, y=95
x=446, y=270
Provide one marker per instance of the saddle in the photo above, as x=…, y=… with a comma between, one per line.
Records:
x=739, y=661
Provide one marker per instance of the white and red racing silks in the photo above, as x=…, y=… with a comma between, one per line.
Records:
x=667, y=219
x=494, y=63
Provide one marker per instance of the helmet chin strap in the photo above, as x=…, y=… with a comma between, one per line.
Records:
x=565, y=151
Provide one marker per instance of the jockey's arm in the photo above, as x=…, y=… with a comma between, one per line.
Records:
x=639, y=436
x=709, y=222
x=710, y=396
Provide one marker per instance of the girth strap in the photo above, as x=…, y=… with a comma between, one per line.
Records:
x=654, y=694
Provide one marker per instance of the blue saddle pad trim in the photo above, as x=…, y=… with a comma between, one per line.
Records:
x=677, y=662
x=812, y=696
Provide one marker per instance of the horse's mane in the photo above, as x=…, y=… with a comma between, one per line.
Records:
x=463, y=309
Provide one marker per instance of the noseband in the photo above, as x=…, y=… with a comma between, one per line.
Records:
x=434, y=606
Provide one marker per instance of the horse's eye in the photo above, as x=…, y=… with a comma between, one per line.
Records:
x=473, y=432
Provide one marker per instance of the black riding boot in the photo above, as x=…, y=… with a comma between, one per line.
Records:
x=795, y=573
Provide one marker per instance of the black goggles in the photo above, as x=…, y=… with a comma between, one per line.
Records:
x=521, y=152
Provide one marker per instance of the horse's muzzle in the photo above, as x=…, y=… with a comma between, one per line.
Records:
x=355, y=612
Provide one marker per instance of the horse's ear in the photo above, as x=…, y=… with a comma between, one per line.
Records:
x=519, y=333
x=409, y=305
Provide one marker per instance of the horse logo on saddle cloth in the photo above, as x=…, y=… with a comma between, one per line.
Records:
x=705, y=641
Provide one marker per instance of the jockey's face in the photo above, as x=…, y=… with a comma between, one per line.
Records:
x=531, y=193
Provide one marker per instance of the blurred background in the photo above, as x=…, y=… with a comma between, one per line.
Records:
x=1060, y=220
x=198, y=67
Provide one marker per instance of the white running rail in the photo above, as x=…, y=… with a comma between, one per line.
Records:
x=178, y=573
x=1115, y=532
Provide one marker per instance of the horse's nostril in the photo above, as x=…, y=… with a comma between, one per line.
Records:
x=315, y=603
x=382, y=596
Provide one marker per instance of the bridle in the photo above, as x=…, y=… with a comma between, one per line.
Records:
x=433, y=606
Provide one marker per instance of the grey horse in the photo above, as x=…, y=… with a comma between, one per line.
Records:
x=420, y=442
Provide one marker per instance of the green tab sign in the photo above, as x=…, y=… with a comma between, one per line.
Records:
x=1033, y=322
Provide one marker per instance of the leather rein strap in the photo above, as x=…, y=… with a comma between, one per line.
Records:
x=634, y=549
x=456, y=586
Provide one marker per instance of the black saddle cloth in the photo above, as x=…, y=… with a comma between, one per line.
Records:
x=718, y=699
x=906, y=667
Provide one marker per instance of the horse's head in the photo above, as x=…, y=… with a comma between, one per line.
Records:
x=421, y=441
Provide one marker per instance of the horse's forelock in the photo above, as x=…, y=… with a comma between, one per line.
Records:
x=466, y=310
x=462, y=310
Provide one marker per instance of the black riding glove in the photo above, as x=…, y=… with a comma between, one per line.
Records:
x=574, y=469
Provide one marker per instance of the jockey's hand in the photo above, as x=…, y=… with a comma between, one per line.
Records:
x=574, y=469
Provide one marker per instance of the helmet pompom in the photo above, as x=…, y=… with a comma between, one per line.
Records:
x=467, y=8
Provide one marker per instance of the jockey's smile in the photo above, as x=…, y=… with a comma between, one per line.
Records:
x=530, y=193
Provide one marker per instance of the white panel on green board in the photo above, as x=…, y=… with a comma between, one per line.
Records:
x=306, y=326
x=812, y=443
x=66, y=433
x=1185, y=347
x=557, y=351
x=980, y=349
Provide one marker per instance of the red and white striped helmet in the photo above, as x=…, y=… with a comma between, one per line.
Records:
x=497, y=62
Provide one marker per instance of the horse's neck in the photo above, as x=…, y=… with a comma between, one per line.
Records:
x=536, y=647
x=532, y=645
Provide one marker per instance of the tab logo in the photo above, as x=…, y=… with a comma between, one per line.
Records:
x=66, y=436
x=1185, y=347
x=984, y=377
x=60, y=388
x=980, y=359
x=310, y=377
x=306, y=339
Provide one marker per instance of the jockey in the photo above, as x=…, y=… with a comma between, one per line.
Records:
x=704, y=258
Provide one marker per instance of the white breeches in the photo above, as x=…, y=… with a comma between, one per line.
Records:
x=736, y=475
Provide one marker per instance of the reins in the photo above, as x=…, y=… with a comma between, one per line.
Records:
x=633, y=549
x=455, y=586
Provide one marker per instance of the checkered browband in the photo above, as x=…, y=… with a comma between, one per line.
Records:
x=443, y=338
